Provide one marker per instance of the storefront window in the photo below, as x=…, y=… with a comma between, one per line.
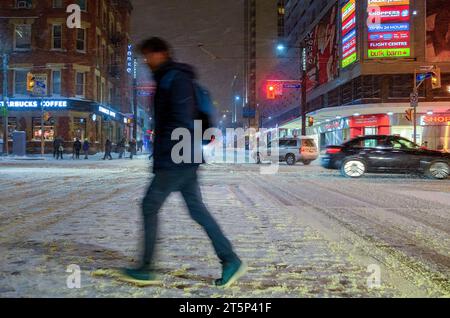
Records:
x=79, y=126
x=20, y=82
x=49, y=129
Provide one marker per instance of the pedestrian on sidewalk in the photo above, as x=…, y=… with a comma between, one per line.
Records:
x=86, y=147
x=76, y=149
x=140, y=146
x=58, y=148
x=56, y=144
x=121, y=147
x=176, y=107
x=108, y=148
x=132, y=148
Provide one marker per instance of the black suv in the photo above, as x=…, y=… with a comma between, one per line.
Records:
x=392, y=154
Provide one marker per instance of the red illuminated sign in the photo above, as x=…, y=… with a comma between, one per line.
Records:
x=437, y=119
x=389, y=14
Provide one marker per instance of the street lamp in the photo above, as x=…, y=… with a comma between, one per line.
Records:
x=281, y=48
x=302, y=63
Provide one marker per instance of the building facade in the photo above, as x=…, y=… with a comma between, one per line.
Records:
x=360, y=59
x=87, y=72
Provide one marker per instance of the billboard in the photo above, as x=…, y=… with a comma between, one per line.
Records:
x=322, y=54
x=348, y=33
x=388, y=28
x=438, y=31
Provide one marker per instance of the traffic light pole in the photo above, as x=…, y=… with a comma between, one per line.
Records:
x=303, y=103
x=5, y=105
x=416, y=93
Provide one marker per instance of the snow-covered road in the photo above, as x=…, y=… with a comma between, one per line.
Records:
x=305, y=231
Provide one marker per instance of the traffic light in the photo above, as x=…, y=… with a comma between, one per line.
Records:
x=436, y=78
x=409, y=114
x=31, y=82
x=310, y=121
x=46, y=116
x=270, y=92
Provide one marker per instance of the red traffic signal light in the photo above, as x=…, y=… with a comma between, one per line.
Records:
x=270, y=92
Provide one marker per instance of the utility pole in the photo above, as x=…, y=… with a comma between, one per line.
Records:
x=42, y=128
x=414, y=102
x=5, y=104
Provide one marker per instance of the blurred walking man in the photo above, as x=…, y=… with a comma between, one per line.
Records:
x=175, y=107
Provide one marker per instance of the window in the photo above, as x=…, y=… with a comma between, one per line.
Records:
x=79, y=126
x=82, y=4
x=79, y=84
x=24, y=4
x=20, y=82
x=57, y=36
x=56, y=80
x=58, y=4
x=99, y=89
x=111, y=95
x=12, y=126
x=371, y=142
x=81, y=40
x=49, y=129
x=22, y=36
x=403, y=144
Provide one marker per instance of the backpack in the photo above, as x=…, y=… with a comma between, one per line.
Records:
x=207, y=112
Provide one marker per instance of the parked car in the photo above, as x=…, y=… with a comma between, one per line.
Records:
x=390, y=154
x=289, y=150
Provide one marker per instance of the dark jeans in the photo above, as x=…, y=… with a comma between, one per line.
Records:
x=86, y=153
x=77, y=154
x=107, y=155
x=185, y=180
x=59, y=154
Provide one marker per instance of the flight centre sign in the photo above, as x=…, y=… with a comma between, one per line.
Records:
x=389, y=29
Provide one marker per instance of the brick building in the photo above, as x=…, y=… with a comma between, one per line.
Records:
x=89, y=80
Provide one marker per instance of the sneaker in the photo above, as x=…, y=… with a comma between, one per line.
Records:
x=231, y=272
x=140, y=277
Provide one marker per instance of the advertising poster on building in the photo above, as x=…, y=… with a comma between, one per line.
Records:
x=349, y=34
x=388, y=26
x=322, y=53
x=438, y=30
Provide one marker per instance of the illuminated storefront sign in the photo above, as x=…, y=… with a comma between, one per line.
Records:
x=26, y=104
x=106, y=111
x=349, y=34
x=389, y=29
x=437, y=119
x=130, y=59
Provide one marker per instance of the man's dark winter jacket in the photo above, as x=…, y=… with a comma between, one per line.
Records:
x=77, y=145
x=175, y=107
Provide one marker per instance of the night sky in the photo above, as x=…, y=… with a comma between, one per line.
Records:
x=218, y=24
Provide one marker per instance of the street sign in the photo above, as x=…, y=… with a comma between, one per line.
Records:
x=40, y=88
x=424, y=76
x=297, y=86
x=249, y=113
x=144, y=93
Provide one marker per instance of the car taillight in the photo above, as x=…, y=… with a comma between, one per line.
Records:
x=302, y=150
x=331, y=151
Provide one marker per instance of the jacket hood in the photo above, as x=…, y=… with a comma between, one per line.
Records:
x=171, y=65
